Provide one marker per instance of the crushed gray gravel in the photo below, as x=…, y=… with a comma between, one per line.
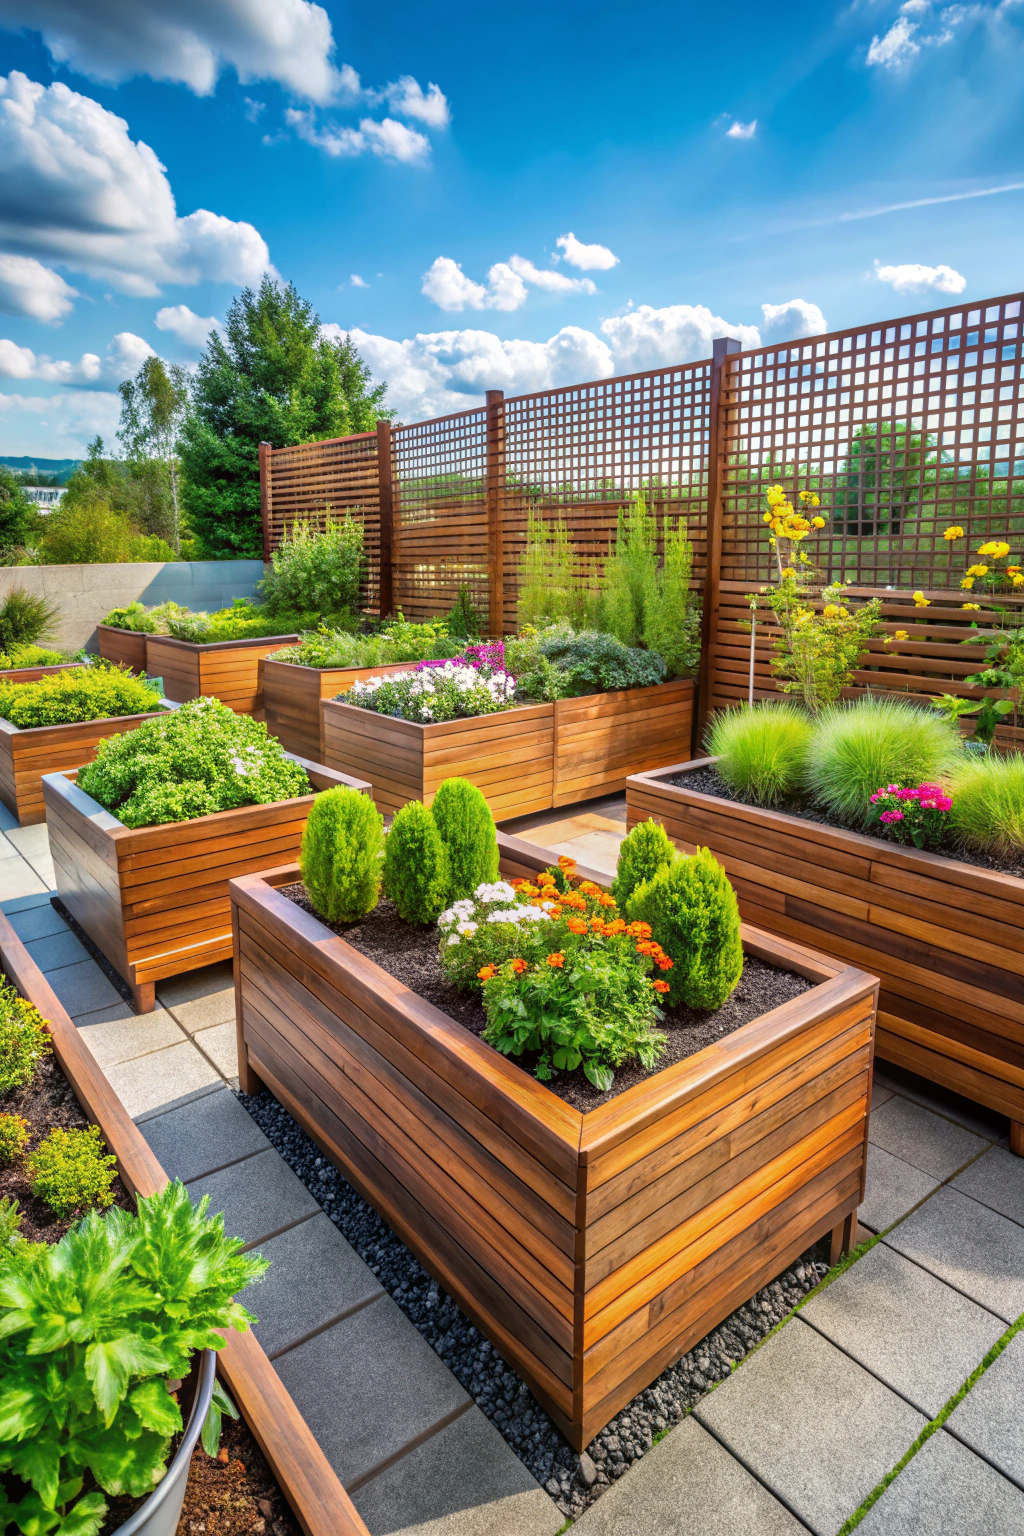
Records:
x=572, y=1480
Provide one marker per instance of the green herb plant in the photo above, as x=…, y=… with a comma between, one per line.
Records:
x=694, y=916
x=672, y=612
x=242, y=621
x=24, y=1039
x=132, y=617
x=34, y=656
x=342, y=850
x=463, y=818
x=10, y=1233
x=14, y=1138
x=416, y=870
x=70, y=1171
x=316, y=571
x=599, y=663
x=98, y=692
x=630, y=574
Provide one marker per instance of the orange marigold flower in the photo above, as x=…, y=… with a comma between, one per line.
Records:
x=606, y=900
x=597, y=923
x=665, y=963
x=519, y=966
x=639, y=930
x=557, y=960
x=547, y=878
x=617, y=925
x=565, y=863
x=485, y=972
x=660, y=986
x=577, y=925
x=588, y=888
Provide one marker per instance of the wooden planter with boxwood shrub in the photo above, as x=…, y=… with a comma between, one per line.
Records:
x=592, y=1250
x=946, y=937
x=127, y=647
x=292, y=694
x=155, y=899
x=228, y=670
x=525, y=759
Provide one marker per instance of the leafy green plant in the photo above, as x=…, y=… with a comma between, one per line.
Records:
x=463, y=818
x=464, y=621
x=644, y=851
x=10, y=1234
x=762, y=750
x=94, y=532
x=630, y=574
x=14, y=1137
x=397, y=642
x=25, y=617
x=132, y=617
x=694, y=916
x=550, y=585
x=87, y=693
x=816, y=653
x=599, y=663
x=314, y=571
x=242, y=621
x=858, y=748
x=91, y=1329
x=70, y=1171
x=672, y=613
x=342, y=849
x=24, y=1039
x=32, y=656
x=538, y=680
x=416, y=873
x=988, y=804
x=191, y=761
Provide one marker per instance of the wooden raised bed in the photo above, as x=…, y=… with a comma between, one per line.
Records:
x=228, y=670
x=946, y=938
x=591, y=1250
x=305, y=1476
x=292, y=694
x=155, y=899
x=27, y=754
x=524, y=760
x=125, y=646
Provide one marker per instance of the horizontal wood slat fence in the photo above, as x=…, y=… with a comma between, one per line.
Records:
x=902, y=428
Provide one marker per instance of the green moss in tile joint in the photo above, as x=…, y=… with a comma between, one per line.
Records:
x=935, y=1424
x=565, y=1527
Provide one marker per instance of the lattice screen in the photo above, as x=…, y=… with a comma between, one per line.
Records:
x=440, y=528
x=314, y=482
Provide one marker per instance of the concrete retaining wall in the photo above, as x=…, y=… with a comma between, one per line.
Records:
x=86, y=592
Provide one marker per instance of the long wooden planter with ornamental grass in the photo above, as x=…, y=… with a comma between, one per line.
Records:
x=228, y=670
x=945, y=937
x=592, y=1250
x=155, y=899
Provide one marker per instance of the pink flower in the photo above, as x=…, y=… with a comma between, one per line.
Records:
x=891, y=788
x=891, y=816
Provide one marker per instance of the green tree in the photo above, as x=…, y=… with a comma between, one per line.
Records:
x=137, y=490
x=153, y=407
x=19, y=518
x=271, y=377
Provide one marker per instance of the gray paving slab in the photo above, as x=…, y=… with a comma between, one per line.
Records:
x=220, y=1044
x=160, y=1079
x=892, y=1189
x=29, y=840
x=811, y=1424
x=984, y=1122
x=997, y=1180
x=259, y=1197
x=37, y=922
x=945, y=1487
x=44, y=868
x=463, y=1481
x=879, y=1094
x=889, y=1313
x=16, y=904
x=991, y=1415
x=204, y=1135
x=688, y=1485
x=315, y=1278
x=82, y=988
x=922, y=1138
x=195, y=984
x=969, y=1246
x=119, y=1039
x=189, y=1097
x=369, y=1386
x=55, y=950
x=18, y=878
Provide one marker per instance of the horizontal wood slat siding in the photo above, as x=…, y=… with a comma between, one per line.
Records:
x=125, y=646
x=229, y=671
x=319, y=483
x=602, y=738
x=292, y=694
x=946, y=938
x=26, y=755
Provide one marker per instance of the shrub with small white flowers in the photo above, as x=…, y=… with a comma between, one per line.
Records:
x=488, y=928
x=449, y=692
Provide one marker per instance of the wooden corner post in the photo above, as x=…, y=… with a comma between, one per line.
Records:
x=494, y=500
x=386, y=495
x=266, y=497
x=722, y=349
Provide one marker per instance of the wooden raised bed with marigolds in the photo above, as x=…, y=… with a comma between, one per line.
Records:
x=228, y=670
x=591, y=1249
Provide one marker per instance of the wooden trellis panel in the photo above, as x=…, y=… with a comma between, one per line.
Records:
x=315, y=482
x=440, y=514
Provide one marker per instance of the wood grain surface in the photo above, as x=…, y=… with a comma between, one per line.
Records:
x=228, y=670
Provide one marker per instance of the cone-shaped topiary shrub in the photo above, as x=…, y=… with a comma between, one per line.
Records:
x=416, y=865
x=340, y=860
x=464, y=820
x=645, y=850
x=694, y=916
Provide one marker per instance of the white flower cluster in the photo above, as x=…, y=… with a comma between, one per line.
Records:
x=462, y=918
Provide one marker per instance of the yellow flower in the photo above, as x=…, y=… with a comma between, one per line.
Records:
x=972, y=606
x=901, y=634
x=767, y=517
x=953, y=533
x=967, y=583
x=788, y=570
x=831, y=611
x=1018, y=581
x=819, y=522
x=995, y=548
x=977, y=570
x=920, y=601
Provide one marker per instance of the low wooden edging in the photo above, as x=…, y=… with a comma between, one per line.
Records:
x=155, y=899
x=125, y=646
x=306, y=1477
x=292, y=694
x=591, y=1250
x=228, y=670
x=946, y=938
x=27, y=754
x=524, y=760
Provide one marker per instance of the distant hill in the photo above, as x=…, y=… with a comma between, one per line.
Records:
x=62, y=468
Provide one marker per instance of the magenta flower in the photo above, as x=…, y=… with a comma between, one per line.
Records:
x=888, y=816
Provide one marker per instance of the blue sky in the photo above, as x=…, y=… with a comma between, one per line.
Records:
x=485, y=197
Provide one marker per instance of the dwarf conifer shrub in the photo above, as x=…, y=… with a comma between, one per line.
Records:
x=694, y=916
x=463, y=818
x=342, y=848
x=70, y=1171
x=24, y=1039
x=645, y=851
x=416, y=872
x=14, y=1135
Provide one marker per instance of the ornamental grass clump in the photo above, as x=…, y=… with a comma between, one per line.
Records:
x=463, y=818
x=858, y=748
x=644, y=851
x=693, y=914
x=416, y=870
x=342, y=850
x=98, y=692
x=70, y=1171
x=762, y=751
x=24, y=1039
x=988, y=805
x=189, y=762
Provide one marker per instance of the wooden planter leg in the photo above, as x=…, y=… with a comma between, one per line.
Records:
x=1017, y=1138
x=844, y=1237
x=144, y=993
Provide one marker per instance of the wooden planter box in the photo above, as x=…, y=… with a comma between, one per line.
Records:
x=526, y=759
x=228, y=670
x=27, y=754
x=292, y=694
x=946, y=938
x=591, y=1250
x=125, y=646
x=155, y=899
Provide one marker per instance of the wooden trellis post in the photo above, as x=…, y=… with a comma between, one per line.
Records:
x=494, y=499
x=386, y=502
x=722, y=348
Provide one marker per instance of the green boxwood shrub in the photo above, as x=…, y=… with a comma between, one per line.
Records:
x=87, y=693
x=24, y=1039
x=70, y=1171
x=463, y=818
x=189, y=762
x=416, y=871
x=342, y=849
x=645, y=851
x=762, y=750
x=694, y=916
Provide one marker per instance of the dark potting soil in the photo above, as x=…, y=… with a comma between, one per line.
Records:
x=708, y=781
x=410, y=955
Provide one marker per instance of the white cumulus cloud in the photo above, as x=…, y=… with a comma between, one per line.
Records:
x=184, y=323
x=407, y=97
x=29, y=288
x=647, y=337
x=589, y=258
x=916, y=28
x=447, y=286
x=59, y=425
x=124, y=356
x=389, y=139
x=914, y=277
x=550, y=281
x=790, y=321
x=357, y=281
x=740, y=130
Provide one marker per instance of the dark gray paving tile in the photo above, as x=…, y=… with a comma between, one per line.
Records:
x=127, y=1034
x=892, y=1189
x=369, y=1386
x=923, y=1139
x=37, y=922
x=463, y=1481
x=991, y=1415
x=879, y=1094
x=83, y=988
x=811, y=1424
x=890, y=1314
x=984, y=1122
x=57, y=949
x=315, y=1277
x=204, y=1135
x=15, y=904
x=970, y=1247
x=997, y=1180
x=689, y=1485
x=945, y=1487
x=259, y=1197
